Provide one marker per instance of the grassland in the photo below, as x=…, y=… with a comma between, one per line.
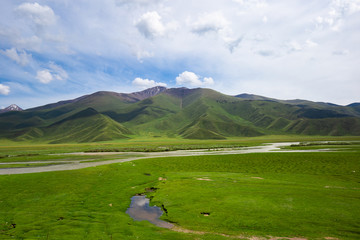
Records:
x=310, y=195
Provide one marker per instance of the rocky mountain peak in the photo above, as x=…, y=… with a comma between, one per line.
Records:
x=150, y=92
x=12, y=107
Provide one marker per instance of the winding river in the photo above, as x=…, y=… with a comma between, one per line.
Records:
x=73, y=165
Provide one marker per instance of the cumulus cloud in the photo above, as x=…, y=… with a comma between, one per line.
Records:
x=141, y=54
x=146, y=83
x=215, y=22
x=151, y=26
x=208, y=81
x=210, y=22
x=4, y=90
x=191, y=79
x=44, y=76
x=338, y=10
x=40, y=15
x=20, y=57
x=55, y=72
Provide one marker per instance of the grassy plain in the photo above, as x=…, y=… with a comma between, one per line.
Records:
x=311, y=195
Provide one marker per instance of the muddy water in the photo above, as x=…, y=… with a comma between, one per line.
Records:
x=140, y=210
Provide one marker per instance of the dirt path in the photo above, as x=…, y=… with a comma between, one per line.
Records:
x=79, y=165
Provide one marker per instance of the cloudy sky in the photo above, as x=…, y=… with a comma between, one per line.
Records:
x=53, y=50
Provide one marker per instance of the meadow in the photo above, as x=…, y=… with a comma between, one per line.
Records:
x=312, y=195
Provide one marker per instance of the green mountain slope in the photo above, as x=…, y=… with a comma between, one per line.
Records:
x=177, y=112
x=86, y=126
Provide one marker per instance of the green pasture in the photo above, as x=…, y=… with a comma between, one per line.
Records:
x=309, y=195
x=149, y=144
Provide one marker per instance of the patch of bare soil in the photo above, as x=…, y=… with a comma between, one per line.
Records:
x=204, y=179
x=335, y=187
x=184, y=230
x=288, y=238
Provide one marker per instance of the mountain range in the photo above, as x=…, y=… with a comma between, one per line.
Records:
x=176, y=112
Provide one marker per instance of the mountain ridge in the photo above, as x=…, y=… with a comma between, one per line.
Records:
x=141, y=95
x=198, y=113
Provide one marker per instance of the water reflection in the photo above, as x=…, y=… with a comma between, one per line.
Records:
x=140, y=210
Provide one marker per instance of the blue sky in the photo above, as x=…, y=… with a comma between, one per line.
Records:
x=54, y=50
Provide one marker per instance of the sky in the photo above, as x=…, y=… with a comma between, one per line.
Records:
x=52, y=50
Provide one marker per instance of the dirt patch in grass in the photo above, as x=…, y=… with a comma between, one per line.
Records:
x=184, y=230
x=204, y=179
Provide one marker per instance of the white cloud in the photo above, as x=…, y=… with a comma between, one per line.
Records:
x=150, y=25
x=232, y=44
x=30, y=43
x=208, y=81
x=55, y=72
x=210, y=22
x=296, y=46
x=191, y=79
x=252, y=3
x=215, y=22
x=342, y=7
x=293, y=46
x=115, y=35
x=141, y=54
x=341, y=52
x=139, y=2
x=266, y=53
x=265, y=19
x=4, y=90
x=338, y=11
x=146, y=83
x=40, y=15
x=20, y=57
x=44, y=76
x=310, y=44
x=58, y=72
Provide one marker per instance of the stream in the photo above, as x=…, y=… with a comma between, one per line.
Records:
x=79, y=165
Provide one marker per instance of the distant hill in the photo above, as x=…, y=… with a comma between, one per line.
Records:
x=176, y=112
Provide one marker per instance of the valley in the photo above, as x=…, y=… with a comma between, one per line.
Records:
x=218, y=166
x=178, y=120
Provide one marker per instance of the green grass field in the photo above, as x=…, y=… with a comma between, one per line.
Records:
x=309, y=195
